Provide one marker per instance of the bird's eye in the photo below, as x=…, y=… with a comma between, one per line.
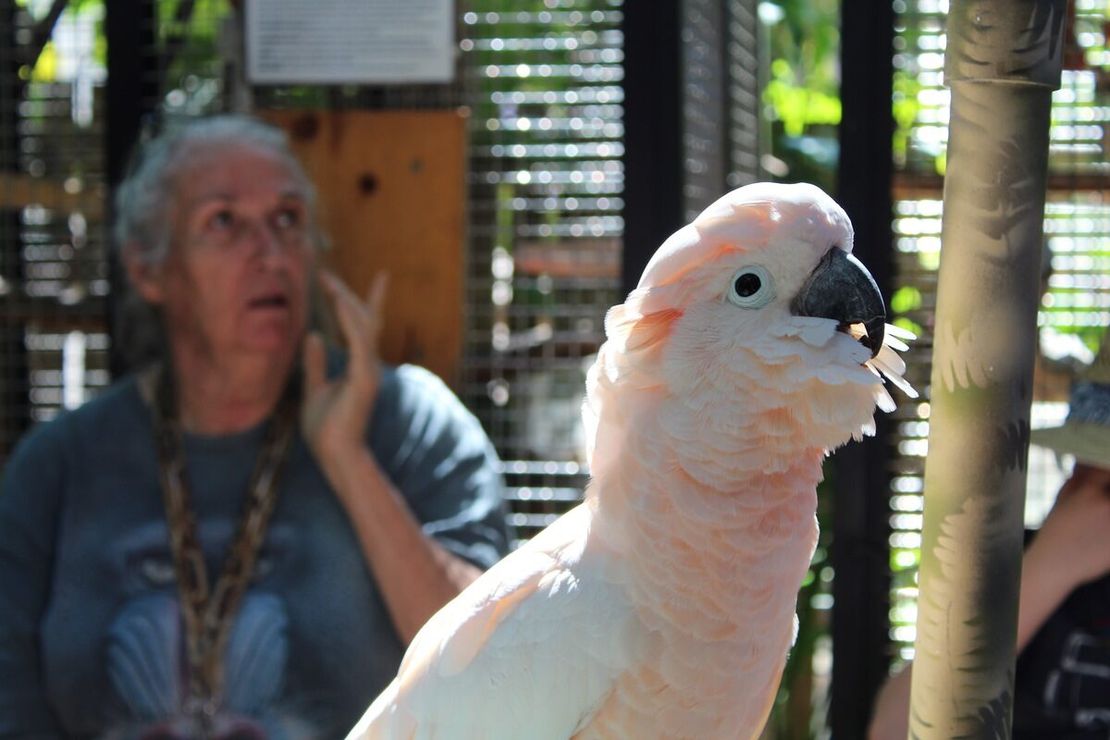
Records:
x=747, y=284
x=752, y=287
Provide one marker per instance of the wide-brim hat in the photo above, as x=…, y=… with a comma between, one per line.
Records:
x=1086, y=432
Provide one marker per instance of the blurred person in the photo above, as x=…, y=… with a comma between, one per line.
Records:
x=240, y=539
x=1060, y=357
x=1062, y=679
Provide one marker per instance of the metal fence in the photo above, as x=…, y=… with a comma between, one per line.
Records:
x=542, y=83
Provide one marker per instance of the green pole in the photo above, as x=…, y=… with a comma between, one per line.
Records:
x=1002, y=63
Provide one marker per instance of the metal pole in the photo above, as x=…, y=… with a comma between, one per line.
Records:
x=653, y=206
x=675, y=139
x=131, y=94
x=1002, y=62
x=860, y=551
x=15, y=378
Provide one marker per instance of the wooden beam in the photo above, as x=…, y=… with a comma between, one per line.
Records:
x=19, y=191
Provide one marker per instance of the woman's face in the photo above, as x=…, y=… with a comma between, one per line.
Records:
x=235, y=281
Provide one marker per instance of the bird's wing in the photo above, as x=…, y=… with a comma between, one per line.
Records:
x=528, y=650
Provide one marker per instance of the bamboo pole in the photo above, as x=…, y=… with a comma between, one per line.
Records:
x=1002, y=62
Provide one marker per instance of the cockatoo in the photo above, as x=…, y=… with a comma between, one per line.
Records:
x=663, y=605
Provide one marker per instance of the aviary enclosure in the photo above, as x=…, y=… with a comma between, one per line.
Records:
x=589, y=130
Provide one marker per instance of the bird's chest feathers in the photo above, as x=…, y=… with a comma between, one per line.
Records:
x=725, y=511
x=734, y=546
x=713, y=585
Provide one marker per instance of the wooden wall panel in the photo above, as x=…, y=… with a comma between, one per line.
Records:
x=392, y=197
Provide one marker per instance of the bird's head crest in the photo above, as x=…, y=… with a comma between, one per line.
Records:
x=762, y=286
x=742, y=222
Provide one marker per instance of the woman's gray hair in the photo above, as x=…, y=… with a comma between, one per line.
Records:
x=144, y=203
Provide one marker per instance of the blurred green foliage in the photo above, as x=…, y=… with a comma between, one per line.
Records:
x=186, y=23
x=801, y=89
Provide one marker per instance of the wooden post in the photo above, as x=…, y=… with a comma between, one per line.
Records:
x=392, y=197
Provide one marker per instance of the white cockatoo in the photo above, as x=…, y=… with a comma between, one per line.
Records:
x=663, y=605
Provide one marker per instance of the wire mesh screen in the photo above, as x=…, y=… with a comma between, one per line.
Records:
x=1075, y=309
x=545, y=199
x=742, y=66
x=53, y=275
x=542, y=82
x=704, y=105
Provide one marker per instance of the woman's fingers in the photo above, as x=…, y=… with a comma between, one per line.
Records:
x=352, y=320
x=360, y=322
x=314, y=362
x=375, y=295
x=375, y=308
x=361, y=318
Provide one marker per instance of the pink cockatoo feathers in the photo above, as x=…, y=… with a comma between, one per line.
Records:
x=663, y=605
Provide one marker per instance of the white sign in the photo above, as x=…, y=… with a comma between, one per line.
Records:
x=350, y=41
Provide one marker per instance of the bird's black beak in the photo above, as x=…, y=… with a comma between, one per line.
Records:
x=841, y=289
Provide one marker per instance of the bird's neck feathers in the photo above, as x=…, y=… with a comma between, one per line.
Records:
x=724, y=416
x=669, y=469
x=712, y=437
x=665, y=480
x=726, y=409
x=703, y=560
x=793, y=378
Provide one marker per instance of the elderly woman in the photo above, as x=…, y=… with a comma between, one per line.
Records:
x=241, y=539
